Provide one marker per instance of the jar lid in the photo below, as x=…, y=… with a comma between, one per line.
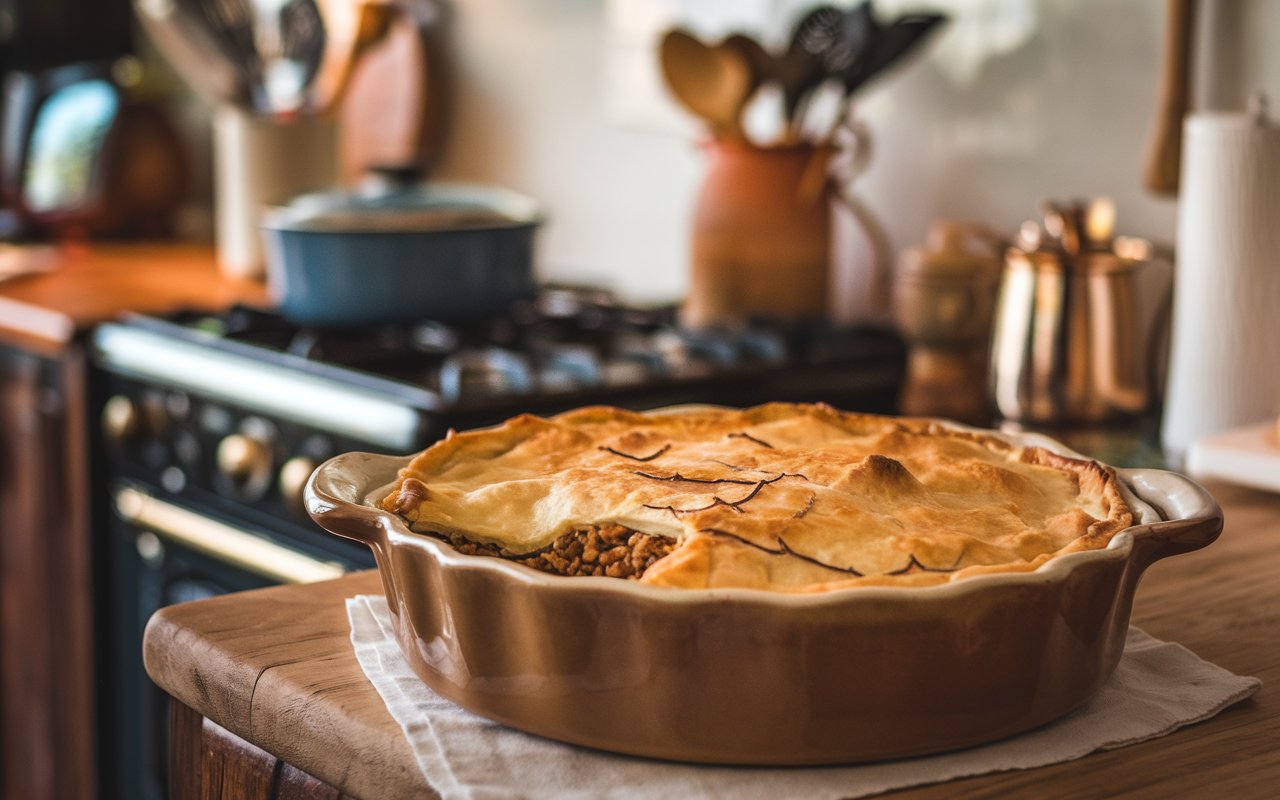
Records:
x=954, y=250
x=1079, y=236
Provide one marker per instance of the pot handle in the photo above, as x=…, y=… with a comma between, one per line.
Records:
x=338, y=493
x=1192, y=518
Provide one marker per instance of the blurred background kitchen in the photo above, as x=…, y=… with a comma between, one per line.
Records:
x=240, y=236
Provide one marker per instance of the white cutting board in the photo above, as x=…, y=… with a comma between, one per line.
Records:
x=1249, y=456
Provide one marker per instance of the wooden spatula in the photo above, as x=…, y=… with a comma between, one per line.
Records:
x=1164, y=154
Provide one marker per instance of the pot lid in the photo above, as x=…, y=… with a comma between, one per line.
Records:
x=412, y=208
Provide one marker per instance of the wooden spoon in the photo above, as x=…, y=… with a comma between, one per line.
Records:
x=351, y=27
x=1164, y=151
x=758, y=59
x=713, y=83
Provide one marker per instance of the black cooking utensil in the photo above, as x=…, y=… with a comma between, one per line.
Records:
x=798, y=69
x=889, y=45
x=229, y=23
x=302, y=35
x=839, y=39
x=198, y=56
x=289, y=40
x=275, y=46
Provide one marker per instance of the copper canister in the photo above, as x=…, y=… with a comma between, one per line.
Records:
x=1078, y=321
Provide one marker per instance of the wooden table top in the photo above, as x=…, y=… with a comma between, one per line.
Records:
x=276, y=667
x=93, y=283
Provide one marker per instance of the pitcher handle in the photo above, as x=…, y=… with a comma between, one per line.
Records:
x=855, y=140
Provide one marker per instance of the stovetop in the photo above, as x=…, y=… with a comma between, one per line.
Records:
x=399, y=387
x=564, y=341
x=567, y=341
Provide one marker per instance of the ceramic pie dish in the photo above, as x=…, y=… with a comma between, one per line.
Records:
x=750, y=676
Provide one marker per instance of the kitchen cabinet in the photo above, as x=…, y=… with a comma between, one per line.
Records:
x=48, y=588
x=267, y=681
x=46, y=679
x=212, y=763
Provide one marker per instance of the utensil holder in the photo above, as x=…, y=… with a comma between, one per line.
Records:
x=761, y=238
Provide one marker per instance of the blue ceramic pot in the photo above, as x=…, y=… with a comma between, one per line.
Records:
x=445, y=252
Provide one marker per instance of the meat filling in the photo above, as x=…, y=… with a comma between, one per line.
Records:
x=613, y=551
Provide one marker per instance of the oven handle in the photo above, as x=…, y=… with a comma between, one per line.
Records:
x=219, y=540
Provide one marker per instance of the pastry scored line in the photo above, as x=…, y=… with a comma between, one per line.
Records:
x=1085, y=472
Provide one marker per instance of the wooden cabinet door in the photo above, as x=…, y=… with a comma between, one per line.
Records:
x=46, y=649
x=209, y=762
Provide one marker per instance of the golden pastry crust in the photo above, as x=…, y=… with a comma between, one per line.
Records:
x=784, y=497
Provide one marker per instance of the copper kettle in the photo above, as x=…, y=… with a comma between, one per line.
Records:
x=1081, y=323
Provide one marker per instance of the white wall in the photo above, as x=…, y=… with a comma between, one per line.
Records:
x=532, y=100
x=1066, y=114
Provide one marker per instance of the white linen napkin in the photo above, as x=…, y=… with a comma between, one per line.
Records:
x=1157, y=688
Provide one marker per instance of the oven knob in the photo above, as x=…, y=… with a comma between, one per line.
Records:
x=293, y=479
x=154, y=417
x=120, y=419
x=244, y=460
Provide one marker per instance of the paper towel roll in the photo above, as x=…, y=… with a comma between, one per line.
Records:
x=1225, y=354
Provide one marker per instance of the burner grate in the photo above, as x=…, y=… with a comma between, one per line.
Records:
x=568, y=341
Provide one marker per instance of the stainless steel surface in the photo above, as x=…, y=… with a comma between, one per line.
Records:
x=192, y=52
x=1078, y=321
x=274, y=57
x=289, y=40
x=224, y=542
x=323, y=402
x=274, y=46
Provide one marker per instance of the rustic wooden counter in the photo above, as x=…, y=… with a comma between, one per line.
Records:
x=274, y=669
x=88, y=284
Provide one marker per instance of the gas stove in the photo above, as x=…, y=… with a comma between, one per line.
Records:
x=397, y=388
x=211, y=425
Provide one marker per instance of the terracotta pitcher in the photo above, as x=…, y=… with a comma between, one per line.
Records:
x=761, y=234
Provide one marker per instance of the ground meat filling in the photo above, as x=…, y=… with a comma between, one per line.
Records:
x=610, y=550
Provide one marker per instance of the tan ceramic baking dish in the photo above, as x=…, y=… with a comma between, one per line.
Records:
x=752, y=677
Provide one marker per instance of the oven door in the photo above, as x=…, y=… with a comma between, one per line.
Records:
x=165, y=554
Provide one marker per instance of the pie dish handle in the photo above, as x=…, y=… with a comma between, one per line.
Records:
x=1191, y=518
x=340, y=493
